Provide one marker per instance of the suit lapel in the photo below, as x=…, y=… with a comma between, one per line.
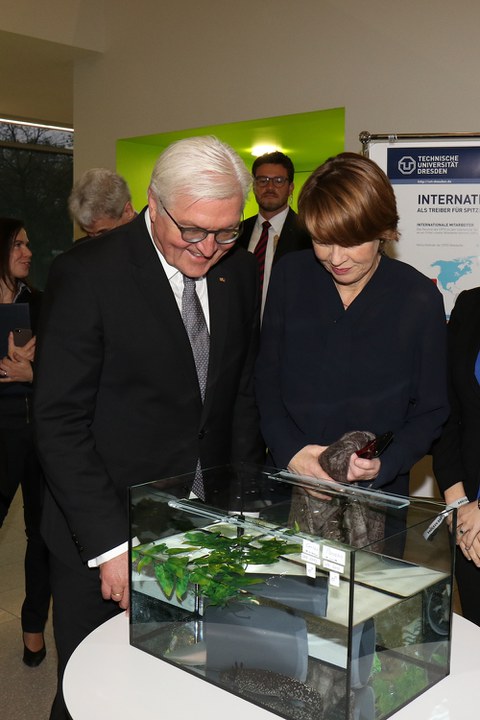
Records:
x=248, y=227
x=219, y=303
x=153, y=284
x=284, y=237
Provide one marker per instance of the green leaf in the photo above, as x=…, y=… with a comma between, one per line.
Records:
x=165, y=579
x=143, y=562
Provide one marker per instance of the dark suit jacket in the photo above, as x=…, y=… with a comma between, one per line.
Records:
x=455, y=455
x=117, y=400
x=292, y=237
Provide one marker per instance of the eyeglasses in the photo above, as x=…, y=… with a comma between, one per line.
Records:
x=196, y=235
x=263, y=180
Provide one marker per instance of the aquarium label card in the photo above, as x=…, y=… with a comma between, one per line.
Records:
x=334, y=579
x=334, y=555
x=311, y=551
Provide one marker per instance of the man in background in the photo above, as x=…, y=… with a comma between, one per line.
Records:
x=275, y=230
x=100, y=201
x=125, y=392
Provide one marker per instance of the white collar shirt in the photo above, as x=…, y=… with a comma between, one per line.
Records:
x=276, y=226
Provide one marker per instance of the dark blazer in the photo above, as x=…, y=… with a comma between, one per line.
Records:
x=378, y=366
x=292, y=237
x=455, y=455
x=117, y=400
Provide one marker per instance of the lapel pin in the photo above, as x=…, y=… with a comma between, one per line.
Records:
x=222, y=279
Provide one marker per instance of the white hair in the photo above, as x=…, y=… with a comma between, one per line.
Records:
x=202, y=168
x=99, y=193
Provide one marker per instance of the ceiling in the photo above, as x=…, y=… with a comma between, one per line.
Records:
x=37, y=79
x=302, y=136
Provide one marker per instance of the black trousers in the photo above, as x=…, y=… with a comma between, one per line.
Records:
x=78, y=608
x=19, y=466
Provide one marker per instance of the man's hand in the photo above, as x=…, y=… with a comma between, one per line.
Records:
x=114, y=577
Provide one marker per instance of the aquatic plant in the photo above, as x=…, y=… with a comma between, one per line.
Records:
x=219, y=573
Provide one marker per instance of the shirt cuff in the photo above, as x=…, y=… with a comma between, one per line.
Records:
x=110, y=554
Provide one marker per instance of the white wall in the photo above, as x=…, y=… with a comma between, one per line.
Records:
x=405, y=67
x=148, y=66
x=74, y=23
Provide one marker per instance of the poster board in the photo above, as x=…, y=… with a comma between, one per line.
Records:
x=436, y=179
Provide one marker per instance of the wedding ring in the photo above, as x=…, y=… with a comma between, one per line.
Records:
x=117, y=595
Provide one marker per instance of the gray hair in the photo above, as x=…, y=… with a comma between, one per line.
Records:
x=202, y=168
x=99, y=193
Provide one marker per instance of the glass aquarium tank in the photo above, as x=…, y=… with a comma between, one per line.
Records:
x=312, y=599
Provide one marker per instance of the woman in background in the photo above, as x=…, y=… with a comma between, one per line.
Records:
x=18, y=460
x=351, y=339
x=456, y=460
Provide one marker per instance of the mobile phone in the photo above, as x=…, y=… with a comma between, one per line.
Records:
x=376, y=446
x=21, y=336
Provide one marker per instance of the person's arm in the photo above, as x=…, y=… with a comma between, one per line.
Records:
x=428, y=405
x=247, y=442
x=282, y=436
x=448, y=465
x=70, y=353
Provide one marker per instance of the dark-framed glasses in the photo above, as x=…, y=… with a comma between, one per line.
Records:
x=196, y=234
x=263, y=180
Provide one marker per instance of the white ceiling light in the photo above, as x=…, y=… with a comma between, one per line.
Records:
x=263, y=149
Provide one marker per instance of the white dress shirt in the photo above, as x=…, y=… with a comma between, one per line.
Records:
x=276, y=226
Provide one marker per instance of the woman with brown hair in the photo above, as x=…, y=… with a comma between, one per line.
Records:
x=352, y=339
x=18, y=460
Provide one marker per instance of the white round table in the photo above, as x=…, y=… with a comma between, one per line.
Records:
x=107, y=677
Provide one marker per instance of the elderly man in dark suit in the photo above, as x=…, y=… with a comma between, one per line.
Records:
x=275, y=230
x=121, y=395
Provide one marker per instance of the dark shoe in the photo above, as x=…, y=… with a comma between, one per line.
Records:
x=33, y=658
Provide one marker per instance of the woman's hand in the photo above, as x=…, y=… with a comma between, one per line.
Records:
x=15, y=370
x=361, y=469
x=468, y=529
x=25, y=352
x=452, y=495
x=17, y=365
x=471, y=550
x=305, y=462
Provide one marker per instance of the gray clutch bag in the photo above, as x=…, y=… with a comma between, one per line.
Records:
x=334, y=460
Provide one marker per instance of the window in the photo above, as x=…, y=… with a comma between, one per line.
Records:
x=36, y=176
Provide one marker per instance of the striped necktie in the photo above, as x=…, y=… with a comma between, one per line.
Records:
x=261, y=249
x=197, y=331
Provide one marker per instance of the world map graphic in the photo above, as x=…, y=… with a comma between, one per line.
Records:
x=451, y=272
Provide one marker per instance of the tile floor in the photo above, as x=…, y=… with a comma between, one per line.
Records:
x=25, y=693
